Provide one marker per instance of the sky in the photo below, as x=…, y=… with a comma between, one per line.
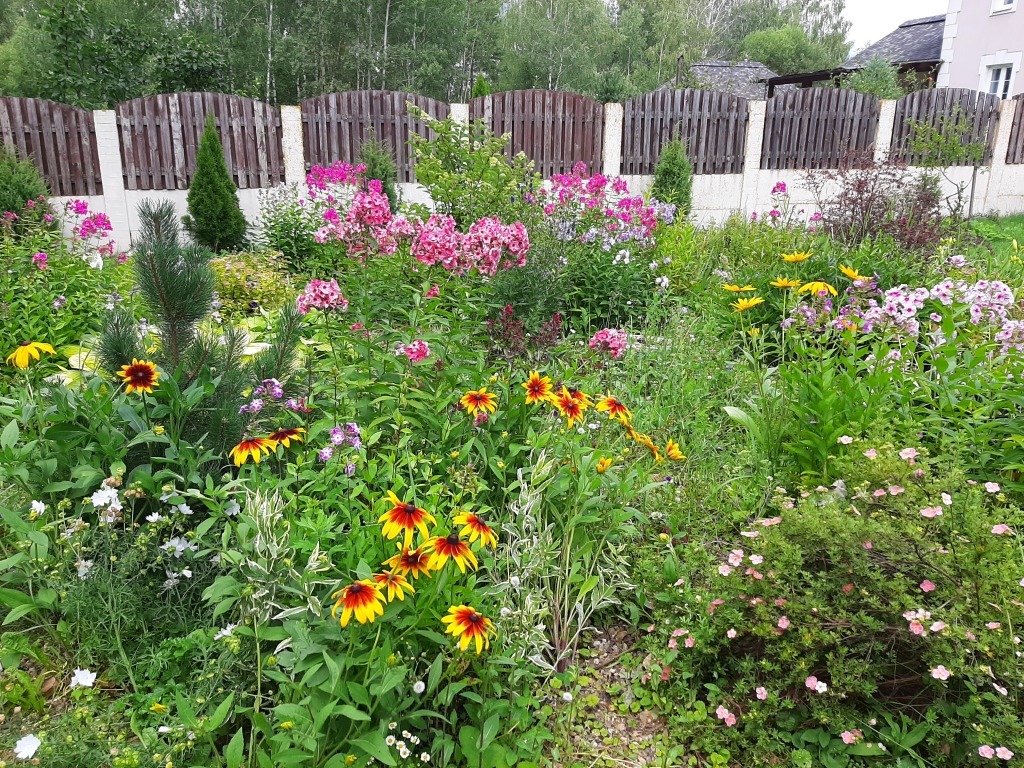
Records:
x=873, y=19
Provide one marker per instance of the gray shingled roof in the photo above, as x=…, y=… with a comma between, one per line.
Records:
x=917, y=40
x=738, y=78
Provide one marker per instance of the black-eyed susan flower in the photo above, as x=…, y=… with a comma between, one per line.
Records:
x=252, y=447
x=851, y=273
x=796, y=256
x=405, y=517
x=450, y=546
x=361, y=599
x=817, y=287
x=395, y=584
x=140, y=376
x=673, y=451
x=785, y=282
x=614, y=408
x=479, y=400
x=285, y=436
x=538, y=388
x=467, y=625
x=742, y=305
x=737, y=288
x=571, y=404
x=410, y=562
x=28, y=351
x=474, y=527
x=603, y=465
x=646, y=441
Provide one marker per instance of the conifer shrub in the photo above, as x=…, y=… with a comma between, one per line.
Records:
x=673, y=177
x=20, y=183
x=380, y=164
x=481, y=87
x=215, y=218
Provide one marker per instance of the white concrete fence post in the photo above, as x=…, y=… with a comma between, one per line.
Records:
x=883, y=134
x=292, y=145
x=999, y=179
x=459, y=113
x=752, y=157
x=115, y=201
x=611, y=152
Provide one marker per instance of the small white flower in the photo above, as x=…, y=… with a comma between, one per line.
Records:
x=83, y=677
x=179, y=546
x=232, y=509
x=567, y=697
x=406, y=735
x=390, y=740
x=184, y=508
x=154, y=517
x=419, y=687
x=164, y=729
x=105, y=497
x=821, y=687
x=392, y=725
x=226, y=632
x=424, y=757
x=404, y=752
x=168, y=493
x=25, y=748
x=514, y=581
x=38, y=507
x=84, y=567
x=94, y=260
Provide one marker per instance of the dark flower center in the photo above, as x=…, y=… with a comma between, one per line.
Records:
x=410, y=509
x=452, y=539
x=474, y=618
x=355, y=589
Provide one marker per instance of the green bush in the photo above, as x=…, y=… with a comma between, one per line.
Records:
x=879, y=78
x=20, y=182
x=215, y=218
x=846, y=611
x=481, y=87
x=673, y=178
x=380, y=165
x=288, y=222
x=247, y=282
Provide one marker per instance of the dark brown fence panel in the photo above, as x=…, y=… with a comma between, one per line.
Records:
x=819, y=128
x=59, y=139
x=553, y=128
x=931, y=105
x=1015, y=151
x=711, y=123
x=335, y=125
x=160, y=136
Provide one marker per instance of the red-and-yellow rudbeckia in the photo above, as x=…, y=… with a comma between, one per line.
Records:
x=361, y=599
x=140, y=376
x=450, y=546
x=405, y=517
x=253, y=447
x=571, y=405
x=479, y=400
x=28, y=351
x=467, y=625
x=475, y=528
x=615, y=409
x=673, y=451
x=410, y=562
x=538, y=388
x=395, y=583
x=285, y=436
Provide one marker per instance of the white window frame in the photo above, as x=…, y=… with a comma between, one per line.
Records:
x=1001, y=6
x=999, y=59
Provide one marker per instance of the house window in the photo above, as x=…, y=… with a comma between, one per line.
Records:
x=1003, y=6
x=999, y=80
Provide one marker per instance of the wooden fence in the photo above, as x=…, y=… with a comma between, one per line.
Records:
x=160, y=136
x=335, y=125
x=59, y=138
x=553, y=128
x=819, y=128
x=711, y=123
x=1015, y=151
x=939, y=106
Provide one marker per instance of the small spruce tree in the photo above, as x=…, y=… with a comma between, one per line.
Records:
x=673, y=177
x=481, y=87
x=380, y=165
x=215, y=219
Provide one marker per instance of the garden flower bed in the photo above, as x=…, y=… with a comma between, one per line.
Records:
x=569, y=483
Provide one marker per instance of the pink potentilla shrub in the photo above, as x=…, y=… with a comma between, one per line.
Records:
x=852, y=736
x=321, y=294
x=610, y=340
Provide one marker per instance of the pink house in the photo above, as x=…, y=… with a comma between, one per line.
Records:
x=982, y=46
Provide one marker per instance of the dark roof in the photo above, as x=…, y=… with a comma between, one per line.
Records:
x=740, y=78
x=914, y=41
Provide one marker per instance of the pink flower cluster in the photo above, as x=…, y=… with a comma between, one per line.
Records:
x=321, y=178
x=415, y=351
x=321, y=294
x=94, y=225
x=487, y=247
x=368, y=228
x=39, y=260
x=725, y=716
x=610, y=340
x=988, y=752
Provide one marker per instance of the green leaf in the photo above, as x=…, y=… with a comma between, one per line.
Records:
x=10, y=435
x=375, y=746
x=347, y=710
x=233, y=754
x=220, y=715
